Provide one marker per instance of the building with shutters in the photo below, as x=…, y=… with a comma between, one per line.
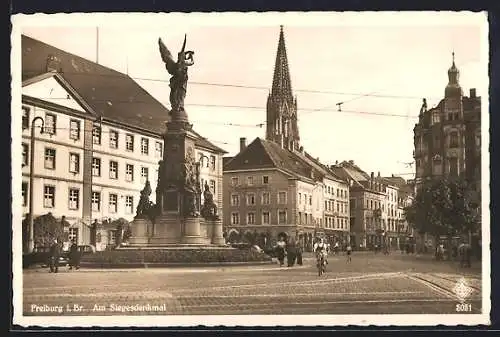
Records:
x=101, y=141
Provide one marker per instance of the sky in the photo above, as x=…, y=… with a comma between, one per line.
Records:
x=378, y=64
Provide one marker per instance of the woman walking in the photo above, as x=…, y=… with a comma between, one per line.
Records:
x=348, y=251
x=280, y=251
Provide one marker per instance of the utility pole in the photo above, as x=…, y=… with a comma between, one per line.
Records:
x=31, y=241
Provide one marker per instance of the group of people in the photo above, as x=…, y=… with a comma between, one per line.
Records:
x=289, y=249
x=292, y=251
x=463, y=252
x=55, y=253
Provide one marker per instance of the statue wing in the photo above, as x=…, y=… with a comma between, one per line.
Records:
x=167, y=58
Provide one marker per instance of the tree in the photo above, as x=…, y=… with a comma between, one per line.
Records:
x=442, y=207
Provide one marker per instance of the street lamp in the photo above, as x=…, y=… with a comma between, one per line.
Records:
x=31, y=242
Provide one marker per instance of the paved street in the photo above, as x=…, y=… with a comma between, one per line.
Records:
x=371, y=284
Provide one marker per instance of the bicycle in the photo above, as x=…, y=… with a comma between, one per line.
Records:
x=321, y=264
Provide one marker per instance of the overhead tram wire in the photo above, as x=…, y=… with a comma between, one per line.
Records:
x=252, y=107
x=243, y=86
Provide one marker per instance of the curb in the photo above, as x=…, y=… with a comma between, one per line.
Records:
x=170, y=265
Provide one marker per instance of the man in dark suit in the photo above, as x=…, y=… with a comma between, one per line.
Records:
x=74, y=256
x=55, y=253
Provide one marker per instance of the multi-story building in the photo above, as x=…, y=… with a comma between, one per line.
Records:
x=273, y=187
x=368, y=205
x=102, y=140
x=447, y=139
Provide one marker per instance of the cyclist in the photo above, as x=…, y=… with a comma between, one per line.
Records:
x=320, y=248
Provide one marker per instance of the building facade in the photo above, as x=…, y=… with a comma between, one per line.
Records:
x=102, y=140
x=447, y=138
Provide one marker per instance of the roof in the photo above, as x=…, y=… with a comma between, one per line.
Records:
x=263, y=153
x=110, y=94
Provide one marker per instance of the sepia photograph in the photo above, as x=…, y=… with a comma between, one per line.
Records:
x=250, y=169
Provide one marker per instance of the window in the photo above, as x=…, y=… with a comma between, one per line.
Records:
x=113, y=139
x=435, y=118
x=338, y=207
x=300, y=218
x=145, y=174
x=265, y=179
x=129, y=172
x=250, y=199
x=212, y=162
x=49, y=196
x=113, y=169
x=249, y=180
x=251, y=218
x=159, y=150
x=74, y=198
x=281, y=197
x=310, y=200
x=24, y=192
x=129, y=204
x=50, y=159
x=266, y=199
x=73, y=234
x=338, y=193
x=265, y=218
x=326, y=205
x=144, y=146
x=235, y=218
x=234, y=181
x=74, y=162
x=129, y=142
x=74, y=129
x=281, y=217
x=371, y=205
x=96, y=167
x=25, y=154
x=113, y=203
x=26, y=117
x=49, y=125
x=454, y=139
x=96, y=201
x=300, y=198
x=212, y=186
x=235, y=200
x=96, y=135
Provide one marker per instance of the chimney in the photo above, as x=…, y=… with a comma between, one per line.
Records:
x=378, y=175
x=473, y=93
x=351, y=162
x=243, y=143
x=371, y=180
x=336, y=162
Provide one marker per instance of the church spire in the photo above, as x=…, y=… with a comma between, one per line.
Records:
x=281, y=78
x=282, y=125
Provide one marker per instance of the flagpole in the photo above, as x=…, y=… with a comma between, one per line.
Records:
x=97, y=46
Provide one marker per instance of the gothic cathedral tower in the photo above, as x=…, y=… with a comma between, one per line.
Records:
x=282, y=125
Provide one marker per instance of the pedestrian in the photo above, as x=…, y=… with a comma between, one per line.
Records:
x=280, y=251
x=74, y=256
x=55, y=253
x=291, y=253
x=299, y=255
x=348, y=252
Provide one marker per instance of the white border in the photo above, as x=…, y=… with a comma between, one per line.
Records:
x=184, y=22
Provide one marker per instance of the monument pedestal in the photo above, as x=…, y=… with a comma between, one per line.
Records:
x=192, y=231
x=141, y=231
x=217, y=237
x=167, y=230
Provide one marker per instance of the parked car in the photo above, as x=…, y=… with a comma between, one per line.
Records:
x=41, y=255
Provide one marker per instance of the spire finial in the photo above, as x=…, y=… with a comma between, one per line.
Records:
x=453, y=56
x=281, y=28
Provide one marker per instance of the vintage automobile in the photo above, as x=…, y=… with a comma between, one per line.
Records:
x=40, y=256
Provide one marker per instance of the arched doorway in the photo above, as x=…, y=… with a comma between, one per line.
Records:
x=233, y=236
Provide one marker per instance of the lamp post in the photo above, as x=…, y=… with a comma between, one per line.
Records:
x=31, y=242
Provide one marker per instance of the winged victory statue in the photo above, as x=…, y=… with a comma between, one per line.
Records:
x=179, y=72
